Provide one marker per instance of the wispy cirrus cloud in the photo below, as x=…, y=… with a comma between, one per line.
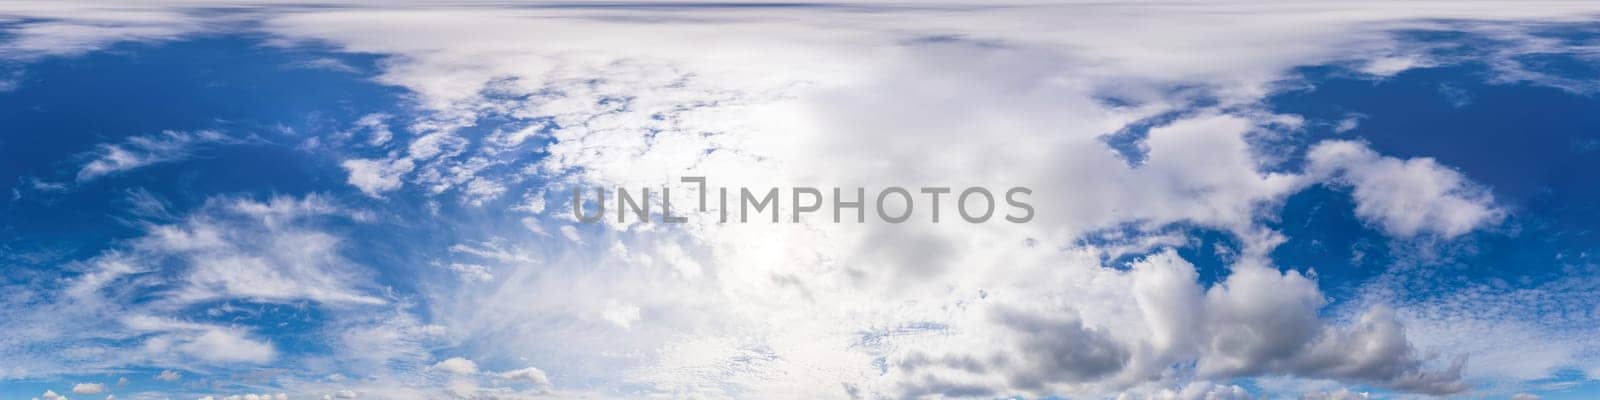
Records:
x=230, y=250
x=144, y=150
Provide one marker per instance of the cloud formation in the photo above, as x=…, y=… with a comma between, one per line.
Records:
x=88, y=388
x=140, y=151
x=1405, y=197
x=785, y=96
x=169, y=376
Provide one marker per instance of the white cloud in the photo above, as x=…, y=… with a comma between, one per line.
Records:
x=1405, y=197
x=88, y=388
x=230, y=251
x=253, y=396
x=265, y=251
x=1200, y=390
x=62, y=29
x=1258, y=321
x=169, y=376
x=139, y=151
x=1389, y=66
x=375, y=342
x=374, y=177
x=770, y=117
x=1512, y=337
x=529, y=375
x=471, y=272
x=571, y=233
x=223, y=345
x=785, y=95
x=457, y=366
x=620, y=314
x=1341, y=394
x=203, y=342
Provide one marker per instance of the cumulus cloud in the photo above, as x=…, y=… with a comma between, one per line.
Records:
x=376, y=176
x=88, y=388
x=1405, y=197
x=1258, y=321
x=169, y=376
x=1048, y=350
x=457, y=366
x=140, y=151
x=1262, y=321
x=529, y=375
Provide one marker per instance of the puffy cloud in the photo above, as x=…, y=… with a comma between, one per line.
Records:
x=1062, y=349
x=139, y=151
x=51, y=395
x=169, y=376
x=1524, y=396
x=529, y=375
x=1046, y=350
x=1405, y=197
x=1261, y=321
x=374, y=176
x=1258, y=321
x=457, y=366
x=88, y=388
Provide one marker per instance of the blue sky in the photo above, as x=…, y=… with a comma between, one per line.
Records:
x=1234, y=201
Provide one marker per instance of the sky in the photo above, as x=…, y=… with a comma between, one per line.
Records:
x=219, y=199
